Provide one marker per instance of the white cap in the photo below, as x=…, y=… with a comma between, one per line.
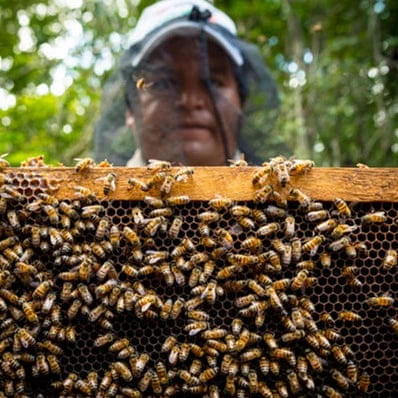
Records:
x=166, y=18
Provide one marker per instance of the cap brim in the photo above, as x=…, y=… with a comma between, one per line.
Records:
x=186, y=27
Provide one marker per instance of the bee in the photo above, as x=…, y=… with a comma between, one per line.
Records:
x=246, y=223
x=70, y=334
x=298, y=167
x=3, y=204
x=109, y=183
x=340, y=243
x=136, y=183
x=8, y=192
x=230, y=387
x=175, y=227
x=279, y=167
x=102, y=229
x=326, y=318
x=252, y=243
x=326, y=226
x=263, y=194
x=330, y=392
x=326, y=260
x=349, y=316
x=381, y=301
x=242, y=341
x=251, y=355
x=314, y=361
x=42, y=365
x=156, y=165
x=178, y=200
x=123, y=371
x=342, y=207
x=131, y=237
x=303, y=199
x=167, y=184
x=208, y=374
x=173, y=356
x=374, y=218
x=84, y=193
x=339, y=355
x=26, y=339
x=394, y=324
x=313, y=244
x=74, y=308
x=153, y=226
x=390, y=260
x=4, y=162
x=196, y=327
x=53, y=363
x=268, y=229
x=83, y=164
x=220, y=203
x=92, y=380
x=13, y=219
x=364, y=382
x=299, y=279
x=29, y=312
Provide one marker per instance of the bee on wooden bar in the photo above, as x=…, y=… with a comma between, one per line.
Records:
x=84, y=164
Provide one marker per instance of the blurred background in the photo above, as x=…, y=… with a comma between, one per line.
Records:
x=335, y=63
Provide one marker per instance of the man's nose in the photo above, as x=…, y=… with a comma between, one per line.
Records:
x=193, y=95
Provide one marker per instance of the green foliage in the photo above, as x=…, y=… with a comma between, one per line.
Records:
x=335, y=63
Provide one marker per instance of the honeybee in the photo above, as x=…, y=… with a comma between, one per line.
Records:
x=340, y=243
x=196, y=327
x=326, y=226
x=83, y=164
x=30, y=314
x=339, y=355
x=390, y=260
x=303, y=199
x=263, y=194
x=131, y=236
x=374, y=218
x=3, y=204
x=299, y=279
x=349, y=316
x=55, y=368
x=381, y=301
x=136, y=183
x=208, y=374
x=268, y=229
x=313, y=244
x=167, y=184
x=298, y=167
x=153, y=226
x=84, y=193
x=173, y=356
x=394, y=324
x=156, y=165
x=364, y=382
x=250, y=355
x=41, y=364
x=178, y=200
x=342, y=207
x=109, y=183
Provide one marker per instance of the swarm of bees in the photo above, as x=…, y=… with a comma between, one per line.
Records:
x=276, y=346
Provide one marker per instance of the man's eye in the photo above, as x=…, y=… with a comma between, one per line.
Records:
x=216, y=82
x=163, y=84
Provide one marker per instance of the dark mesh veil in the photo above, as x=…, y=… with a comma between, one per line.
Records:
x=257, y=90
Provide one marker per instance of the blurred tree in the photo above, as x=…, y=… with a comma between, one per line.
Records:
x=335, y=62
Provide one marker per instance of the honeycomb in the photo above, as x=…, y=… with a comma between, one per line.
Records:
x=372, y=340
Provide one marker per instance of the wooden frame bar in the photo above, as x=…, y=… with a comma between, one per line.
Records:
x=325, y=184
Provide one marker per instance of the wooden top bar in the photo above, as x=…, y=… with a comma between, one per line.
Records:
x=325, y=184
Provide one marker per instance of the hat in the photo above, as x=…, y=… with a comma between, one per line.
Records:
x=169, y=17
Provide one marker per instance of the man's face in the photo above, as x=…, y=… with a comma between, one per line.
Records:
x=176, y=117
